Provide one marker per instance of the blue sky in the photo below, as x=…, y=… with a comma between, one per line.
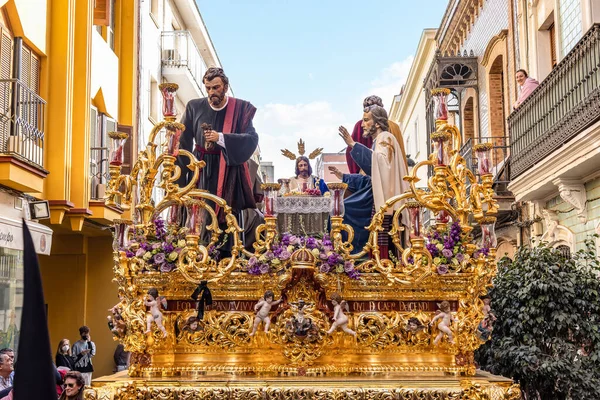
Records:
x=306, y=65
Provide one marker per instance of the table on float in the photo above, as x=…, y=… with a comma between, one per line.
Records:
x=302, y=215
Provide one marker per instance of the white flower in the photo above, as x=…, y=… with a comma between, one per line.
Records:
x=181, y=243
x=147, y=255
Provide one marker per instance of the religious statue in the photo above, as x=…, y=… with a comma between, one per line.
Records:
x=192, y=324
x=384, y=167
x=416, y=331
x=445, y=315
x=116, y=324
x=154, y=301
x=204, y=298
x=304, y=181
x=225, y=148
x=262, y=309
x=359, y=136
x=300, y=325
x=340, y=320
x=486, y=325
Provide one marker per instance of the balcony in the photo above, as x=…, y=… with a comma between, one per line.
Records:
x=21, y=137
x=99, y=176
x=557, y=127
x=182, y=64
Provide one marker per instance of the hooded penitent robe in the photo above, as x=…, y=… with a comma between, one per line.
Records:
x=385, y=169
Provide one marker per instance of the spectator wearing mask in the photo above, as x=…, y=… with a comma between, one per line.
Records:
x=526, y=85
x=63, y=355
x=74, y=385
x=87, y=349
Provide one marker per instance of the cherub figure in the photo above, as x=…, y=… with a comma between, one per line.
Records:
x=445, y=315
x=262, y=309
x=154, y=301
x=192, y=324
x=416, y=331
x=115, y=321
x=487, y=308
x=340, y=320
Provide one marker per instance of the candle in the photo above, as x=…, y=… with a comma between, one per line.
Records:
x=337, y=199
x=168, y=91
x=116, y=146
x=174, y=130
x=414, y=213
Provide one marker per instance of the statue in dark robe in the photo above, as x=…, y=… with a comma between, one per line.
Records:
x=226, y=147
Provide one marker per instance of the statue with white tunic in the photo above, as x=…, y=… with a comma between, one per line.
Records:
x=304, y=179
x=384, y=168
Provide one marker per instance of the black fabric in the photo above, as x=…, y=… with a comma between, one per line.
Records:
x=34, y=379
x=64, y=360
x=203, y=296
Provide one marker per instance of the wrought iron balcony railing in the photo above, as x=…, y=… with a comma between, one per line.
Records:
x=21, y=122
x=564, y=104
x=180, y=50
x=98, y=172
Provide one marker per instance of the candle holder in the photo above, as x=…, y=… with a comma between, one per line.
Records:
x=440, y=97
x=116, y=144
x=414, y=215
x=194, y=221
x=441, y=148
x=121, y=238
x=168, y=91
x=174, y=215
x=271, y=190
x=484, y=163
x=337, y=191
x=488, y=232
x=174, y=130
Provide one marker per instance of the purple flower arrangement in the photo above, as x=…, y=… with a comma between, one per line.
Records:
x=448, y=248
x=161, y=250
x=281, y=251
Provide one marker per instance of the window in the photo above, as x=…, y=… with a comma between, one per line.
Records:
x=570, y=17
x=110, y=29
x=100, y=125
x=553, y=59
x=564, y=250
x=11, y=296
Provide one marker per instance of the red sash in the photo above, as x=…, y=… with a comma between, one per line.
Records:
x=227, y=128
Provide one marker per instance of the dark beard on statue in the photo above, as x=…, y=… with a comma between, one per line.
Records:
x=303, y=174
x=216, y=100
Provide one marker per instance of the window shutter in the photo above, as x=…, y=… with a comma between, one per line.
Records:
x=6, y=51
x=102, y=12
x=552, y=31
x=128, y=150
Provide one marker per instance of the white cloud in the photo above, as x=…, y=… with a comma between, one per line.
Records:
x=389, y=81
x=280, y=126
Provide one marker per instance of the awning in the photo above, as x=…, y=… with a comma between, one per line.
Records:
x=11, y=235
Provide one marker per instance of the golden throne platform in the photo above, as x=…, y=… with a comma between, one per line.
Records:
x=400, y=349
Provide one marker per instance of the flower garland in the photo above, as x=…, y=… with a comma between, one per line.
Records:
x=448, y=248
x=282, y=249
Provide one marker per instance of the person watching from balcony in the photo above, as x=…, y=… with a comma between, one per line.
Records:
x=526, y=84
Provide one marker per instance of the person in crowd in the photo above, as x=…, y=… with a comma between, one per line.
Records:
x=10, y=353
x=63, y=355
x=6, y=369
x=74, y=385
x=121, y=358
x=526, y=86
x=87, y=349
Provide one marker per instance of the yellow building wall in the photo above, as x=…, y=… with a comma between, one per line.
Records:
x=79, y=291
x=28, y=20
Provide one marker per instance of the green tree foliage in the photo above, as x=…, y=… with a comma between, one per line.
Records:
x=547, y=332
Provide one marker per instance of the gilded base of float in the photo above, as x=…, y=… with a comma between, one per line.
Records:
x=482, y=386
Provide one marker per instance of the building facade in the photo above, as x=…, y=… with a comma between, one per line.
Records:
x=325, y=160
x=408, y=108
x=555, y=133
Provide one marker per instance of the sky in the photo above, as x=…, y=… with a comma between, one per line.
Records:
x=307, y=65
